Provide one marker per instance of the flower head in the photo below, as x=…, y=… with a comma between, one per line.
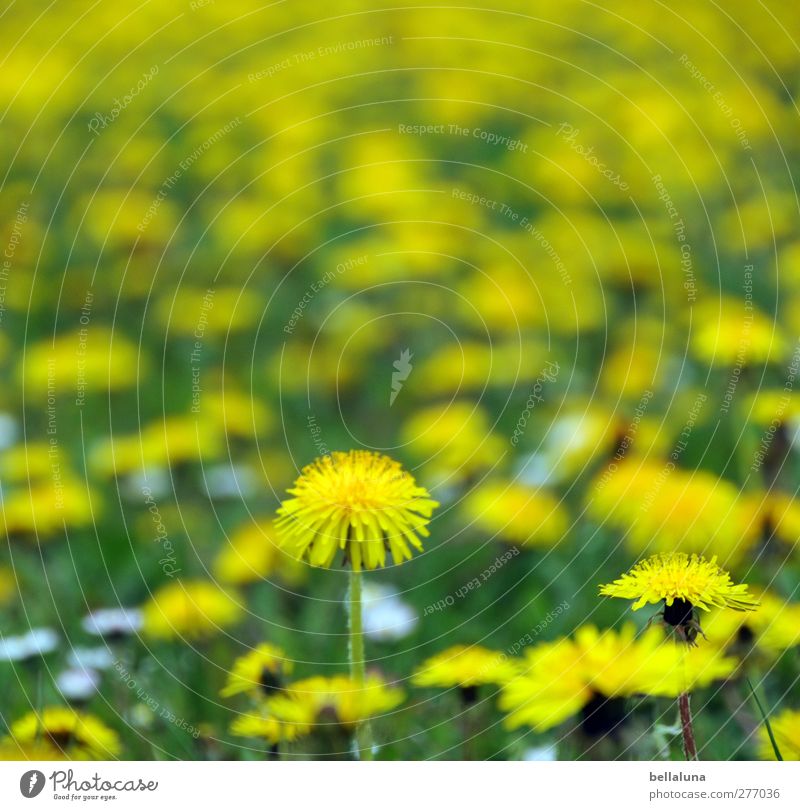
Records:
x=71, y=733
x=786, y=728
x=193, y=609
x=339, y=699
x=260, y=671
x=592, y=673
x=679, y=577
x=279, y=720
x=465, y=666
x=358, y=502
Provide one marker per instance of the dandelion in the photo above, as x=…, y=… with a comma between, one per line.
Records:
x=683, y=583
x=786, y=728
x=360, y=503
x=517, y=513
x=466, y=667
x=593, y=673
x=261, y=671
x=74, y=734
x=193, y=609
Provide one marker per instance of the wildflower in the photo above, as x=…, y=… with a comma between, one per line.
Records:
x=725, y=334
x=593, y=673
x=683, y=583
x=517, y=513
x=252, y=555
x=662, y=508
x=456, y=440
x=33, y=644
x=771, y=629
x=786, y=728
x=194, y=609
x=113, y=622
x=278, y=722
x=357, y=502
x=75, y=734
x=465, y=666
x=342, y=700
x=77, y=684
x=262, y=670
x=386, y=616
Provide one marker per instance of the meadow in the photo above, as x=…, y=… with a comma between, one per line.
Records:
x=349, y=354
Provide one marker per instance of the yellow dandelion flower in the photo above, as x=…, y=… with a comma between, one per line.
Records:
x=517, y=513
x=456, y=440
x=782, y=514
x=280, y=720
x=259, y=671
x=343, y=698
x=728, y=333
x=75, y=734
x=253, y=554
x=661, y=508
x=14, y=750
x=357, y=502
x=786, y=728
x=683, y=583
x=192, y=609
x=771, y=629
x=466, y=667
x=592, y=673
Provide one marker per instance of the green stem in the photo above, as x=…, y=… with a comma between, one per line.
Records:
x=687, y=728
x=363, y=729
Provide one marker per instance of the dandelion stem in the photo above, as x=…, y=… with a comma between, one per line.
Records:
x=687, y=728
x=363, y=738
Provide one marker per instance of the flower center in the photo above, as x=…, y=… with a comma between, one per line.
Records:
x=603, y=716
x=679, y=613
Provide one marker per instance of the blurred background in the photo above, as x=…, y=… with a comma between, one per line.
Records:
x=546, y=255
